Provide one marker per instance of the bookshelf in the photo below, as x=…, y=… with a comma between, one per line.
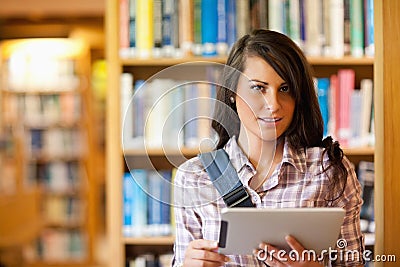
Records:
x=122, y=248
x=46, y=107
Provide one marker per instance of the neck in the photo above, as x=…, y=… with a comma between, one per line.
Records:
x=262, y=154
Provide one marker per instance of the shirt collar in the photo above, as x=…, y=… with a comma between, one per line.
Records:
x=295, y=157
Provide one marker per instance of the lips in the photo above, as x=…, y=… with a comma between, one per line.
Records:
x=270, y=120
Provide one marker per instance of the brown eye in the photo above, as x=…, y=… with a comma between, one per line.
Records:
x=284, y=89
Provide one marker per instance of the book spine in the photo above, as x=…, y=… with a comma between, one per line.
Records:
x=186, y=13
x=167, y=27
x=336, y=22
x=139, y=213
x=209, y=30
x=275, y=10
x=132, y=28
x=323, y=99
x=294, y=21
x=126, y=107
x=222, y=21
x=369, y=28
x=144, y=22
x=197, y=46
x=355, y=118
x=346, y=79
x=313, y=25
x=231, y=23
x=242, y=17
x=346, y=27
x=124, y=27
x=157, y=28
x=356, y=28
x=128, y=200
x=366, y=87
x=154, y=204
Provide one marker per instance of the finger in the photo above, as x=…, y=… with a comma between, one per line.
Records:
x=204, y=244
x=201, y=263
x=201, y=254
x=294, y=244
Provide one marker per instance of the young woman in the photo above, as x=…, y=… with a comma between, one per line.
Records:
x=271, y=127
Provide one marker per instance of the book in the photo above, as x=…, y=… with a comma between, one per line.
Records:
x=242, y=17
x=144, y=22
x=313, y=24
x=126, y=108
x=356, y=28
x=124, y=34
x=186, y=20
x=336, y=25
x=346, y=80
x=197, y=43
x=323, y=99
x=369, y=28
x=366, y=175
x=209, y=29
x=157, y=28
x=140, y=189
x=366, y=111
x=222, y=21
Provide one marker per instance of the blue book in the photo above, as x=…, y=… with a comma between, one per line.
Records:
x=231, y=23
x=323, y=99
x=154, y=204
x=222, y=22
x=140, y=192
x=132, y=23
x=166, y=188
x=209, y=27
x=369, y=28
x=127, y=206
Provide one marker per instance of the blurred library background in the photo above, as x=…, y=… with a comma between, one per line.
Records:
x=74, y=133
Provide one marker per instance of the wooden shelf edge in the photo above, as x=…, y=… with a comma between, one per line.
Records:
x=163, y=61
x=359, y=151
x=159, y=240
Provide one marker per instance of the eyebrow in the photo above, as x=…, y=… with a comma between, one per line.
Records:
x=265, y=83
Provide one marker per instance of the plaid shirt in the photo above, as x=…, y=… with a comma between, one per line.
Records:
x=298, y=181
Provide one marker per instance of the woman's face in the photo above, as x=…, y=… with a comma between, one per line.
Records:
x=264, y=101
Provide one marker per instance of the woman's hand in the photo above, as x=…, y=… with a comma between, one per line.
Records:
x=203, y=253
x=273, y=256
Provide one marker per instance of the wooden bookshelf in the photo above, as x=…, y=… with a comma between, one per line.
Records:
x=115, y=155
x=36, y=158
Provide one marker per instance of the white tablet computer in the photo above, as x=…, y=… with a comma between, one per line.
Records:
x=242, y=229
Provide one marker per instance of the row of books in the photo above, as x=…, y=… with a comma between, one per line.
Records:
x=347, y=111
x=166, y=113
x=147, y=203
x=57, y=245
x=174, y=28
x=55, y=143
x=56, y=176
x=366, y=176
x=151, y=260
x=43, y=110
x=26, y=72
x=63, y=210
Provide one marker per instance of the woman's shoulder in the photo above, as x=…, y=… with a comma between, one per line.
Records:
x=190, y=171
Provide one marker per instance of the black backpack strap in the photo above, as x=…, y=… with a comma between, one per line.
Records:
x=225, y=178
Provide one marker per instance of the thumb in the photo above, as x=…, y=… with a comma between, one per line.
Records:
x=204, y=244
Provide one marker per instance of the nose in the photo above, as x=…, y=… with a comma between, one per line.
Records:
x=271, y=101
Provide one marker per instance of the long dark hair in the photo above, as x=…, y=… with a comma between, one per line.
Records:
x=289, y=62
